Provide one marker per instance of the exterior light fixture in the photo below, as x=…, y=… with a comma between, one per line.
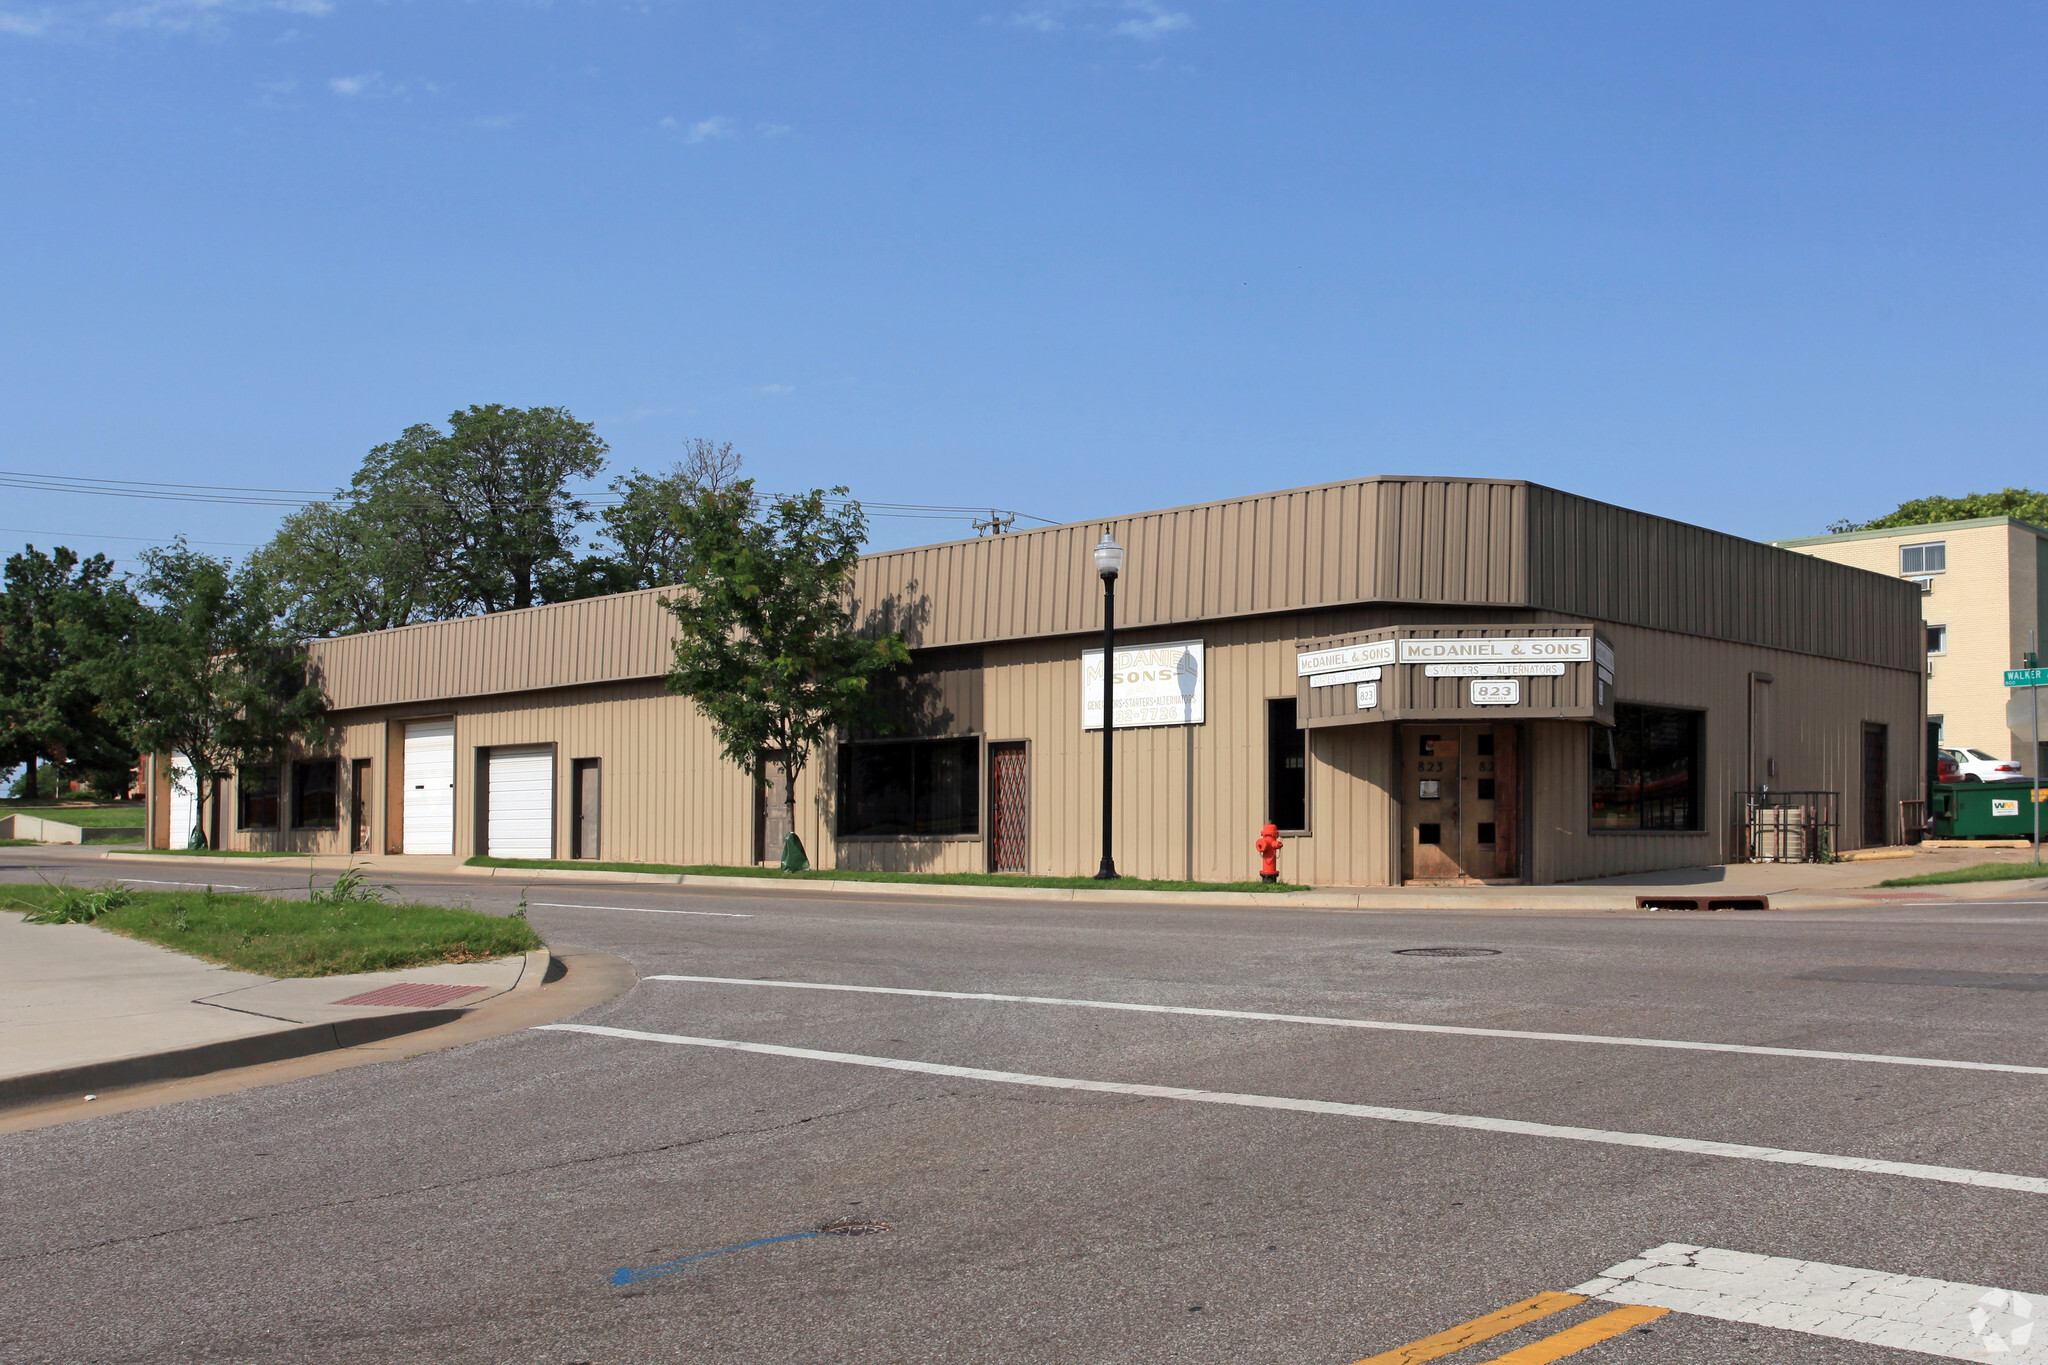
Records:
x=1109, y=562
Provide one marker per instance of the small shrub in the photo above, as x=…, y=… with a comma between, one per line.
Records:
x=350, y=888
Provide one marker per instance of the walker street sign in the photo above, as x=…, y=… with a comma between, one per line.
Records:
x=2026, y=677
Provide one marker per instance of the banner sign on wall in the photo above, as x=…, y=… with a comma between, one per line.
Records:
x=1569, y=648
x=1350, y=656
x=1155, y=685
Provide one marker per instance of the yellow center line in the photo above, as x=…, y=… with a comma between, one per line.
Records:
x=1480, y=1329
x=1572, y=1340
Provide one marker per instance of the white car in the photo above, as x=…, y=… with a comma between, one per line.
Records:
x=1974, y=765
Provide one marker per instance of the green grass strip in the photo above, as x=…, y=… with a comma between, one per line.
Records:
x=88, y=817
x=301, y=938
x=914, y=878
x=1981, y=872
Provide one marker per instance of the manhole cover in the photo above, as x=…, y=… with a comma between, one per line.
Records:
x=1448, y=952
x=852, y=1227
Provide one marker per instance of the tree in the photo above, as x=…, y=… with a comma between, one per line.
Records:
x=768, y=649
x=435, y=524
x=645, y=526
x=334, y=568
x=59, y=619
x=209, y=675
x=2023, y=503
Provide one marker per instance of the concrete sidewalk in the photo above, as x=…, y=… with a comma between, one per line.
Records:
x=1790, y=886
x=85, y=1009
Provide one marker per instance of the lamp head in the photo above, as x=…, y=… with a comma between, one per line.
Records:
x=1109, y=556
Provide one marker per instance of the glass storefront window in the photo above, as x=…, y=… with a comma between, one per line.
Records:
x=1646, y=770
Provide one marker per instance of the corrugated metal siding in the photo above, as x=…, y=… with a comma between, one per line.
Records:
x=1818, y=710
x=1366, y=540
x=1610, y=564
x=1454, y=541
x=594, y=640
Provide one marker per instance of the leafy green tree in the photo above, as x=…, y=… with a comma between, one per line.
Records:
x=768, y=649
x=2023, y=503
x=487, y=505
x=335, y=568
x=645, y=525
x=436, y=524
x=209, y=674
x=59, y=618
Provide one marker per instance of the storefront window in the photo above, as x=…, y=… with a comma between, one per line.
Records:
x=918, y=786
x=314, y=787
x=1646, y=770
x=1286, y=767
x=256, y=797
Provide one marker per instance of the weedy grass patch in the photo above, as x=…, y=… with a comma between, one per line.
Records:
x=282, y=937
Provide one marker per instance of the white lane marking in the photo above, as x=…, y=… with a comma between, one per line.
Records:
x=642, y=910
x=1936, y=1317
x=157, y=881
x=1329, y=1021
x=1954, y=1175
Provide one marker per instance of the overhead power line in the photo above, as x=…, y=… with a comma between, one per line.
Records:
x=302, y=497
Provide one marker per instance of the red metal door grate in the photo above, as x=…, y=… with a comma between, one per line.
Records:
x=1009, y=809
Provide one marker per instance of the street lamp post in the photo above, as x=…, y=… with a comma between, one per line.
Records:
x=1109, y=561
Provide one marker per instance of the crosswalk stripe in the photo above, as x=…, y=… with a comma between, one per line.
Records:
x=1577, y=1338
x=1783, y=1156
x=1948, y=1318
x=1479, y=1329
x=1384, y=1025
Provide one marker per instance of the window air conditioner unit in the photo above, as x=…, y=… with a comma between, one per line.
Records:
x=1926, y=583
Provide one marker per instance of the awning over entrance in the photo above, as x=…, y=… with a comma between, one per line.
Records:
x=1480, y=674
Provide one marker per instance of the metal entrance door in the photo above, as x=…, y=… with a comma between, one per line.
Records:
x=771, y=810
x=586, y=820
x=359, y=806
x=1009, y=807
x=429, y=813
x=1459, y=814
x=1876, y=777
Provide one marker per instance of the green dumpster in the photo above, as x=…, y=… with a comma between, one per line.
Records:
x=1985, y=810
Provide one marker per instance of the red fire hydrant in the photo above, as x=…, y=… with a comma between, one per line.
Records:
x=1268, y=844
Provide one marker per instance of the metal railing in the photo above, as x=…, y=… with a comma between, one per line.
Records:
x=1912, y=821
x=1787, y=826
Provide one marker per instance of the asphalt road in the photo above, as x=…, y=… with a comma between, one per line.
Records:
x=478, y=1204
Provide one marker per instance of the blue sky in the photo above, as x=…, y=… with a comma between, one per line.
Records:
x=1757, y=266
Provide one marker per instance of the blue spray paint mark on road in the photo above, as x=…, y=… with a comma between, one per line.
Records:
x=627, y=1275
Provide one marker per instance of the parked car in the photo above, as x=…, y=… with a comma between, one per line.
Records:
x=1974, y=765
x=1946, y=769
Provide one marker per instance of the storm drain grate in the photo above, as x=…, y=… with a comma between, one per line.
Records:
x=417, y=994
x=852, y=1227
x=1448, y=952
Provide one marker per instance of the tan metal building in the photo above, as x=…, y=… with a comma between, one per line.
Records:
x=1416, y=678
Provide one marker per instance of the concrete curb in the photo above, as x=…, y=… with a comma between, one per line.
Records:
x=298, y=1041
x=590, y=979
x=1552, y=897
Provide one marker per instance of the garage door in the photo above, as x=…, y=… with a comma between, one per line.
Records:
x=521, y=813
x=430, y=787
x=184, y=801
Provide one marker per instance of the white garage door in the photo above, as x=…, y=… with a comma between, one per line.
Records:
x=522, y=803
x=430, y=787
x=184, y=800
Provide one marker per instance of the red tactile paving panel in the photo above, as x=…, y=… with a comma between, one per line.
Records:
x=418, y=994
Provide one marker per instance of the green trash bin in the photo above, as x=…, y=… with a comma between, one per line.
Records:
x=1986, y=810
